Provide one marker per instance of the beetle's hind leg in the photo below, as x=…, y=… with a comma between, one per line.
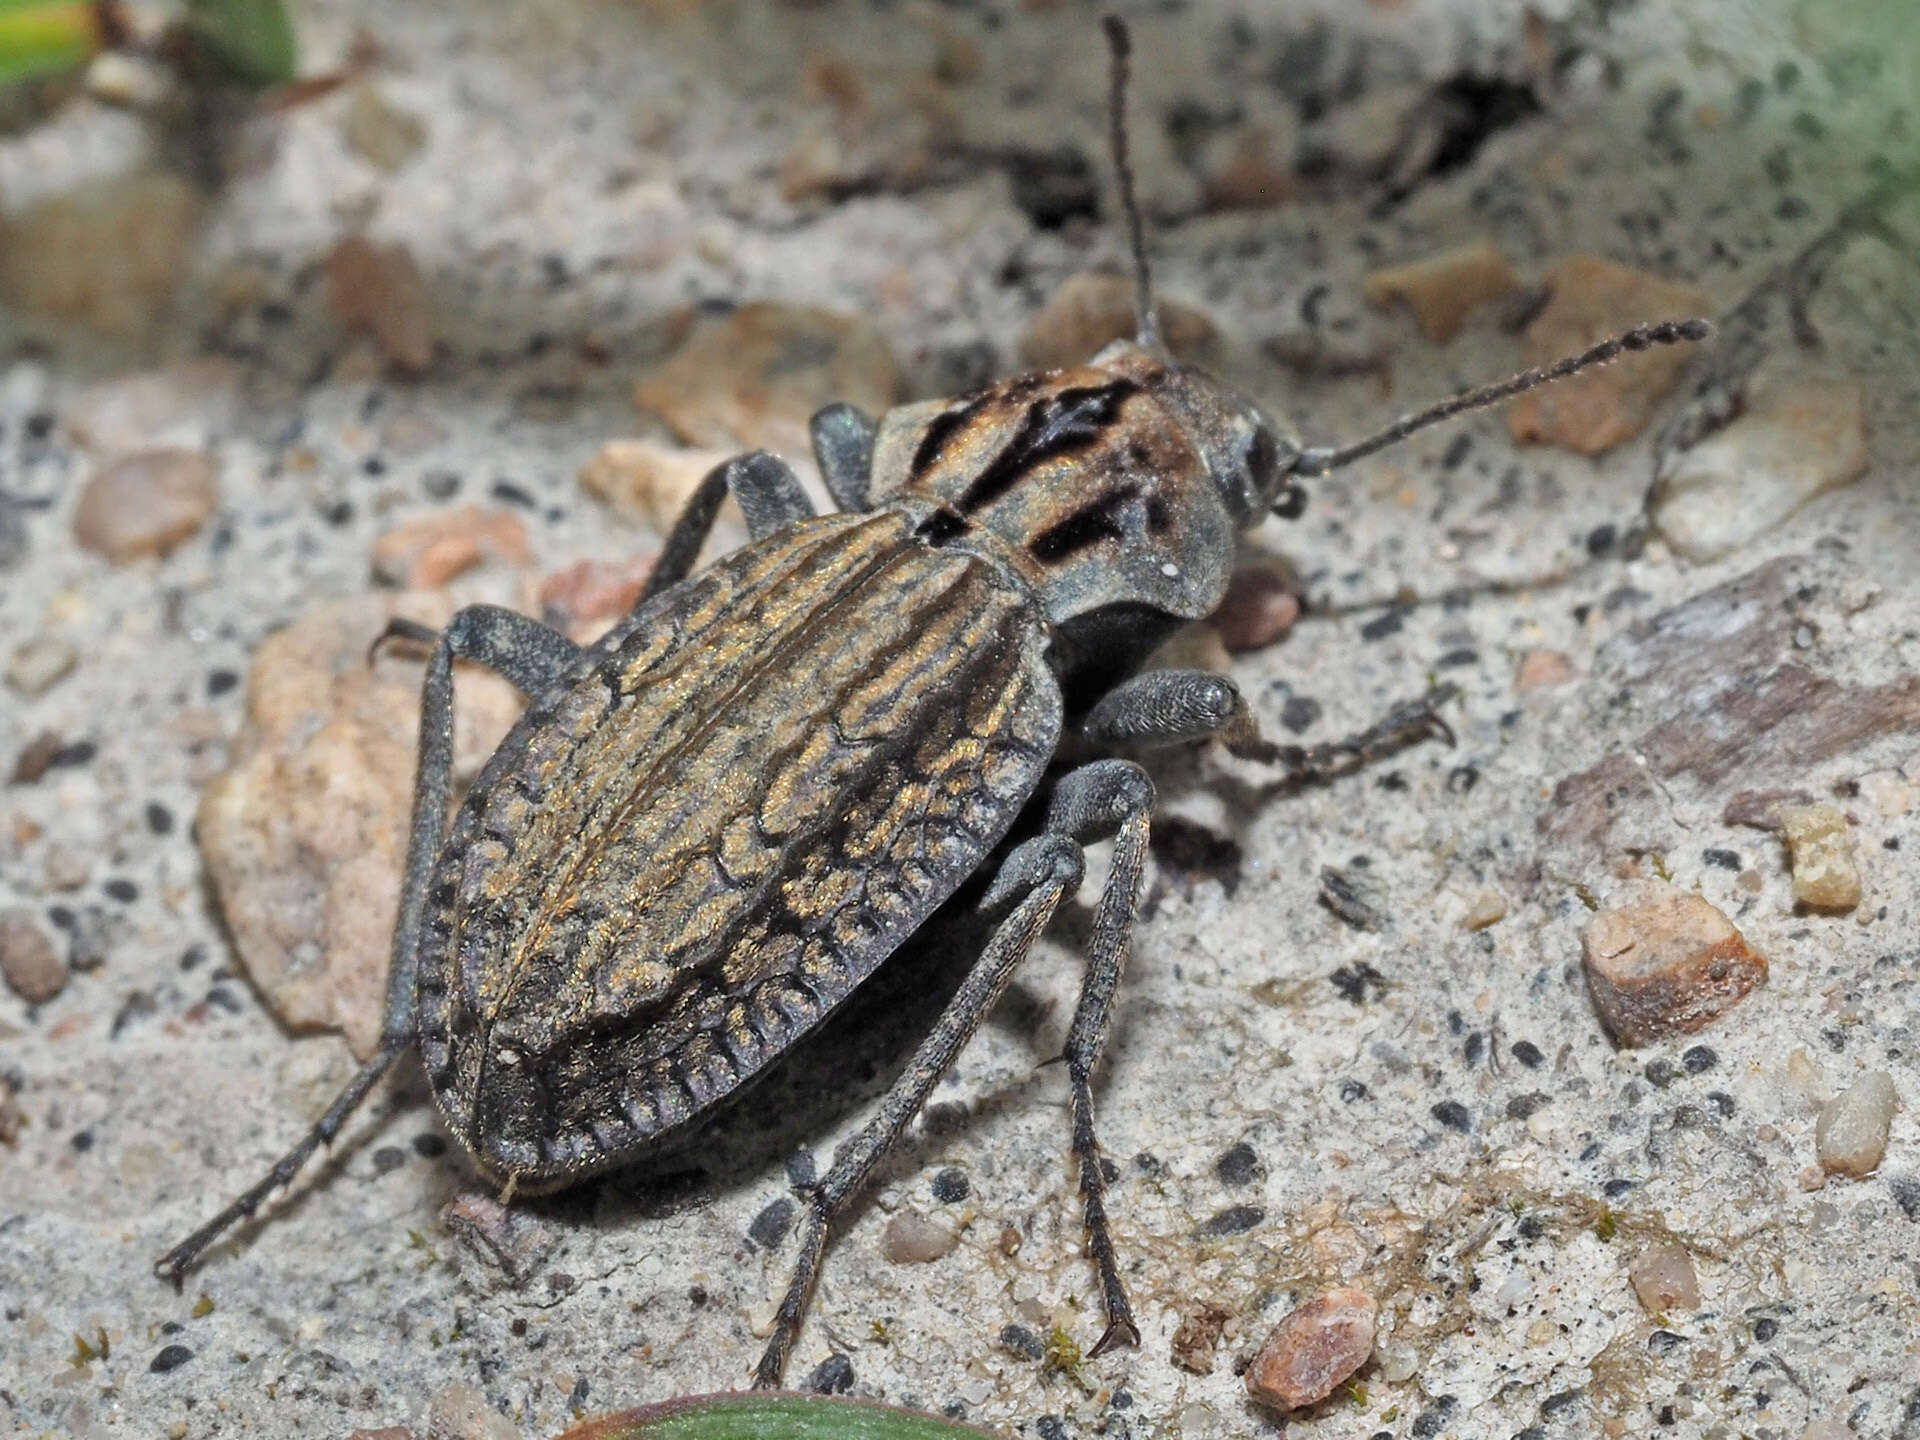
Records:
x=770, y=497
x=843, y=449
x=533, y=657
x=475, y=633
x=1165, y=707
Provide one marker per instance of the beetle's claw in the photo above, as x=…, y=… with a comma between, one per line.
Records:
x=401, y=628
x=1121, y=1331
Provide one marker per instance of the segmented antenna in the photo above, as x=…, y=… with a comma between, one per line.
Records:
x=1319, y=460
x=1146, y=321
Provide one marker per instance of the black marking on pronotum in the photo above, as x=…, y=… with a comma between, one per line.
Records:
x=1087, y=526
x=1069, y=421
x=941, y=526
x=941, y=429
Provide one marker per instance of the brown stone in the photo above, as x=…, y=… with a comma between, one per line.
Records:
x=754, y=377
x=1663, y=1278
x=378, y=288
x=427, y=552
x=304, y=833
x=1543, y=670
x=1760, y=809
x=1247, y=172
x=1592, y=299
x=912, y=1239
x=1444, y=290
x=32, y=966
x=1313, y=1351
x=1095, y=308
x=651, y=481
x=146, y=504
x=108, y=254
x=1260, y=606
x=1663, y=961
x=587, y=592
x=1197, y=1338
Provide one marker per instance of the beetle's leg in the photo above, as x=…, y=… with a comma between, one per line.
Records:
x=1107, y=797
x=426, y=830
x=1036, y=874
x=533, y=657
x=769, y=494
x=843, y=448
x=1165, y=707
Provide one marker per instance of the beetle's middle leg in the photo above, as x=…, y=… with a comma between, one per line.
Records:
x=1165, y=707
x=471, y=635
x=770, y=497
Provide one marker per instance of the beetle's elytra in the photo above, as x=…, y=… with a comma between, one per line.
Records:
x=715, y=822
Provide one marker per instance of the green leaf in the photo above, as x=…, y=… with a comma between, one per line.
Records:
x=251, y=39
x=45, y=37
x=772, y=1417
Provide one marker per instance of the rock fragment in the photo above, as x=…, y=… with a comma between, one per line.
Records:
x=1249, y=169
x=379, y=289
x=1488, y=907
x=1796, y=439
x=380, y=131
x=33, y=968
x=107, y=254
x=754, y=377
x=427, y=552
x=460, y=1412
x=912, y=1239
x=1851, y=1134
x=146, y=503
x=1260, y=606
x=1663, y=961
x=580, y=598
x=1312, y=1351
x=39, y=664
x=1093, y=308
x=1197, y=1338
x=1594, y=411
x=303, y=834
x=1821, y=843
x=1543, y=670
x=1663, y=1278
x=1444, y=290
x=651, y=481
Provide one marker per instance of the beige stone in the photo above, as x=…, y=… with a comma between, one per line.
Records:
x=1663, y=1278
x=146, y=504
x=1445, y=290
x=107, y=255
x=1593, y=299
x=1095, y=308
x=1825, y=875
x=427, y=552
x=1851, y=1133
x=28, y=960
x=651, y=481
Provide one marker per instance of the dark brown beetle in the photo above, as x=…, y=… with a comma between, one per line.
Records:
x=715, y=822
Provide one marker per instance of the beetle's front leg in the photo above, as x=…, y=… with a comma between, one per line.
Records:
x=843, y=448
x=1164, y=707
x=770, y=497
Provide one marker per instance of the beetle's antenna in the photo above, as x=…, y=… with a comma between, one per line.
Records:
x=1320, y=459
x=1147, y=322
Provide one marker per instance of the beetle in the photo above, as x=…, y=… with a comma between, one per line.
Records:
x=712, y=824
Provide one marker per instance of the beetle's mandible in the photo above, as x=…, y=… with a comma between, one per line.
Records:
x=715, y=822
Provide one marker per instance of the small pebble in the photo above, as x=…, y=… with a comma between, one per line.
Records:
x=40, y=664
x=1820, y=841
x=1602, y=407
x=950, y=1186
x=32, y=966
x=1489, y=907
x=1543, y=670
x=832, y=1376
x=1851, y=1133
x=912, y=1239
x=1444, y=290
x=1259, y=608
x=1197, y=1337
x=461, y=1412
x=378, y=288
x=1313, y=1351
x=170, y=1358
x=107, y=253
x=1793, y=440
x=381, y=132
x=650, y=480
x=1663, y=961
x=425, y=553
x=1093, y=308
x=145, y=503
x=1662, y=1276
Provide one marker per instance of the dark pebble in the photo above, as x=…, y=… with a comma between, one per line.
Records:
x=1722, y=1102
x=1591, y=1153
x=1353, y=1091
x=1300, y=713
x=577, y=1397
x=1432, y=1420
x=1050, y=1427
x=1522, y=1106
x=440, y=484
x=1352, y=981
x=219, y=682
x=1381, y=626
x=1021, y=1343
x=1122, y=1400
x=159, y=818
x=1665, y=1342
x=509, y=493
x=429, y=1146
x=1554, y=1404
x=769, y=1227
x=222, y=998
x=1453, y=1115
x=1474, y=1048
x=80, y=752
x=337, y=513
x=1600, y=539
x=39, y=425
x=1461, y=779
x=1614, y=1189
x=171, y=1358
x=950, y=1186
x=1531, y=1227
x=801, y=1171
x=1699, y=1059
x=1234, y=1220
x=1765, y=1328
x=81, y=1142
x=832, y=1376
x=125, y=891
x=1457, y=450
x=1528, y=1054
x=1661, y=1073
x=1724, y=859
x=374, y=465
x=1240, y=1165
x=388, y=1158
x=1455, y=659
x=1906, y=1194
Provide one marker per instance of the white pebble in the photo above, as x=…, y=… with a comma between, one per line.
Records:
x=1851, y=1134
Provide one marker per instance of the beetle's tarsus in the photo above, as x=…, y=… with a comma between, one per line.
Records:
x=401, y=628
x=1118, y=1333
